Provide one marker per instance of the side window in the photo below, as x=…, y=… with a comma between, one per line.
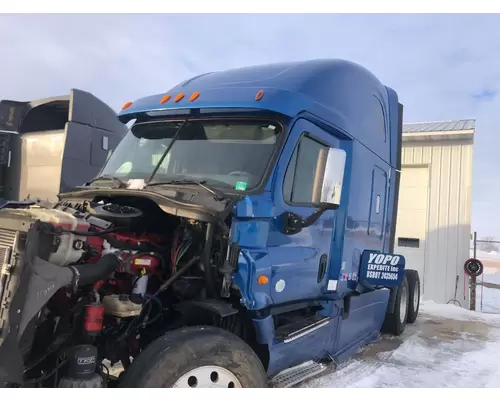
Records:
x=298, y=183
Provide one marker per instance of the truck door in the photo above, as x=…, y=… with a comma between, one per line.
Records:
x=300, y=260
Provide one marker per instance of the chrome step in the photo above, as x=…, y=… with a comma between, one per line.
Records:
x=300, y=328
x=293, y=376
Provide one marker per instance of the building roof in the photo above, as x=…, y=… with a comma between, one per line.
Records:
x=440, y=126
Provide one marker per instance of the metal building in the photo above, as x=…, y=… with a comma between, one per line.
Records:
x=434, y=211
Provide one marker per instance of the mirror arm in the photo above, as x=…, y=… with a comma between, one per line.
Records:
x=311, y=219
x=293, y=223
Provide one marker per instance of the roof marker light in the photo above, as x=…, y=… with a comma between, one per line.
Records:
x=165, y=98
x=179, y=97
x=259, y=95
x=194, y=96
x=126, y=105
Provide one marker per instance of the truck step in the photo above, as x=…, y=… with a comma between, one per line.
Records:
x=289, y=332
x=293, y=376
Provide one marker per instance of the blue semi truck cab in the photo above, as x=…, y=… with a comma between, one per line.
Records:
x=241, y=234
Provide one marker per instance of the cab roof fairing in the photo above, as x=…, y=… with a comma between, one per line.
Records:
x=338, y=92
x=275, y=100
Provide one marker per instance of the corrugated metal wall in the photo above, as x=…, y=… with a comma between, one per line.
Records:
x=449, y=220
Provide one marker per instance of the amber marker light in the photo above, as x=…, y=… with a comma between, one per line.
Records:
x=126, y=105
x=259, y=95
x=165, y=98
x=194, y=96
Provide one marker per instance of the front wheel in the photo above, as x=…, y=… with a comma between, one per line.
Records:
x=196, y=357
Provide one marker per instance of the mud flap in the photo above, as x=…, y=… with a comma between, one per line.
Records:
x=392, y=300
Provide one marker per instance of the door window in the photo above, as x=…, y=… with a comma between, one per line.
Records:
x=299, y=176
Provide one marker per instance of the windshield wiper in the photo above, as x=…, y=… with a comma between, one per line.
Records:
x=219, y=196
x=121, y=184
x=174, y=139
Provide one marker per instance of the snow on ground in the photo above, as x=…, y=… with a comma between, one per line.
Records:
x=447, y=346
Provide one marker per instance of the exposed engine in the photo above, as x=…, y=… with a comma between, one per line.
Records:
x=129, y=266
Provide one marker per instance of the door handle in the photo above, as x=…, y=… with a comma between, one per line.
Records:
x=322, y=267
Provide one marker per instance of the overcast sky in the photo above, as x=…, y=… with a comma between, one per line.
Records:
x=443, y=66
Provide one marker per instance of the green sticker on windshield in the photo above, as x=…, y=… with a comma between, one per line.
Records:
x=240, y=185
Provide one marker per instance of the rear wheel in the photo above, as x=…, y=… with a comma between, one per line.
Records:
x=395, y=322
x=196, y=357
x=414, y=295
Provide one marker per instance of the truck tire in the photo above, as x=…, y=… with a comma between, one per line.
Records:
x=196, y=357
x=395, y=322
x=413, y=295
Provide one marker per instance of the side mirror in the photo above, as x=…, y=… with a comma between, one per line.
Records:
x=327, y=189
x=328, y=178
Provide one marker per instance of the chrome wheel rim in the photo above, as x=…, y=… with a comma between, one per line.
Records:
x=209, y=376
x=416, y=297
x=403, y=306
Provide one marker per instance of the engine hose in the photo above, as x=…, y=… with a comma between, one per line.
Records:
x=163, y=287
x=158, y=315
x=178, y=273
x=91, y=273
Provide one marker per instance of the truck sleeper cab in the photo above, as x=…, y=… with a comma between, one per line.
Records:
x=51, y=145
x=292, y=171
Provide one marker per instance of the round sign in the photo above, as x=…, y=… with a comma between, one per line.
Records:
x=473, y=267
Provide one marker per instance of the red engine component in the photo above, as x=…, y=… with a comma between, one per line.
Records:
x=135, y=238
x=96, y=242
x=146, y=262
x=93, y=320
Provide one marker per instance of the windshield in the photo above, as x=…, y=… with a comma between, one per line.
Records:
x=229, y=153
